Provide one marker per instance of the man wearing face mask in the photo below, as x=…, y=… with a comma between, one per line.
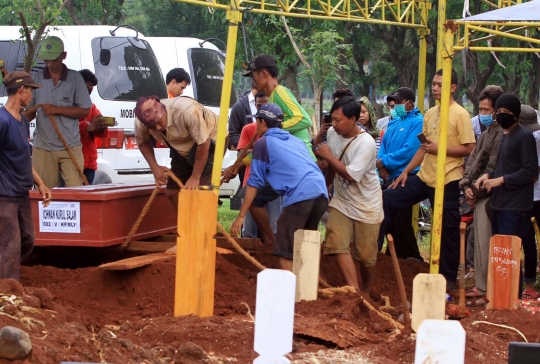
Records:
x=512, y=181
x=408, y=190
x=482, y=160
x=398, y=147
x=383, y=122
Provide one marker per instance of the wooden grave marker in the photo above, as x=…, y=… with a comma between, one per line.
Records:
x=503, y=272
x=306, y=263
x=274, y=316
x=196, y=253
x=428, y=299
x=440, y=342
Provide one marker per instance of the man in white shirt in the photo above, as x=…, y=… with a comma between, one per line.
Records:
x=356, y=210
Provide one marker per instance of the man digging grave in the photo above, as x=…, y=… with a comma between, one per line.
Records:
x=283, y=162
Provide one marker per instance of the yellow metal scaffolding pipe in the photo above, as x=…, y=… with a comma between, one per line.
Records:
x=498, y=49
x=234, y=17
x=441, y=20
x=436, y=230
x=505, y=34
x=422, y=54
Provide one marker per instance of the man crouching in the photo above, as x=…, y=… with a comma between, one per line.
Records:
x=356, y=210
x=283, y=161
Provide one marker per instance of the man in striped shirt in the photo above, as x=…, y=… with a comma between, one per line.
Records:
x=296, y=120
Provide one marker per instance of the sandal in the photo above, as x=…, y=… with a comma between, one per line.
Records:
x=473, y=293
x=530, y=294
x=481, y=302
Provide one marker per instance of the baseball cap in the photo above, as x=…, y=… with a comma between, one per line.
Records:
x=145, y=117
x=17, y=79
x=402, y=93
x=269, y=112
x=262, y=60
x=528, y=118
x=51, y=48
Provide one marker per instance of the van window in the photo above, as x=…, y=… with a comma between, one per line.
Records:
x=126, y=73
x=207, y=69
x=14, y=53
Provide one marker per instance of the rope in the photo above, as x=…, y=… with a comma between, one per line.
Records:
x=330, y=292
x=68, y=149
x=239, y=249
x=140, y=218
x=244, y=152
x=503, y=326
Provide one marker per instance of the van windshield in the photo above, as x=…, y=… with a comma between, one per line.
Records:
x=207, y=69
x=125, y=72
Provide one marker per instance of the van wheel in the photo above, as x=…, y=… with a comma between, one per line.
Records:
x=101, y=178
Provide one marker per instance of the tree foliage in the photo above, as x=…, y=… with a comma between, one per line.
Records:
x=393, y=51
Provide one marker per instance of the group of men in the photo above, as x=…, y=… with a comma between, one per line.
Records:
x=286, y=179
x=361, y=213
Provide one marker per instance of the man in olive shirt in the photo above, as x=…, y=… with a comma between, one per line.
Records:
x=64, y=96
x=190, y=131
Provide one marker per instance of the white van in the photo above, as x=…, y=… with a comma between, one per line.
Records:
x=206, y=65
x=126, y=68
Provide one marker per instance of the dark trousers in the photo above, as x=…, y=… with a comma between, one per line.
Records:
x=90, y=175
x=402, y=231
x=518, y=223
x=17, y=235
x=414, y=191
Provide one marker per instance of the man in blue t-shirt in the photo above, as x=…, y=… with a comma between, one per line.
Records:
x=283, y=161
x=17, y=177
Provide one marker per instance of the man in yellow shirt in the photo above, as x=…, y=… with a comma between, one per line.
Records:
x=408, y=190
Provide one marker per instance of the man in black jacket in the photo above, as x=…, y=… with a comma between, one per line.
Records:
x=243, y=107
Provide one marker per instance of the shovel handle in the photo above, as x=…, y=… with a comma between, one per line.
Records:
x=399, y=279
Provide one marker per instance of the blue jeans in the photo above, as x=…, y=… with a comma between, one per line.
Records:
x=416, y=190
x=249, y=229
x=518, y=223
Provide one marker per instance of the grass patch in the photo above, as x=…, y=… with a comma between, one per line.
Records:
x=424, y=245
x=226, y=216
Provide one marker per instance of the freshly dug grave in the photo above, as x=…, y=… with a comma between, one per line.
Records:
x=91, y=315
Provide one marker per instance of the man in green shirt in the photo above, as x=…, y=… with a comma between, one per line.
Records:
x=296, y=120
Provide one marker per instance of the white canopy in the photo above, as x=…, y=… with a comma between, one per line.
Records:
x=529, y=11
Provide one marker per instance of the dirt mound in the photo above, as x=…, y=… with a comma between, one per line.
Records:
x=91, y=315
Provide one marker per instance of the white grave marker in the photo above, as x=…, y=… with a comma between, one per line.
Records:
x=274, y=316
x=306, y=263
x=440, y=342
x=428, y=298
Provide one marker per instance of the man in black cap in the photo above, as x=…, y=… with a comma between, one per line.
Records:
x=398, y=147
x=512, y=183
x=17, y=176
x=296, y=121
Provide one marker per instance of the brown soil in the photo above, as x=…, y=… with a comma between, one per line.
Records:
x=86, y=314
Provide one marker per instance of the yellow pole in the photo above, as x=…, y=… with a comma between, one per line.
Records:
x=436, y=230
x=441, y=20
x=422, y=54
x=422, y=71
x=234, y=17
